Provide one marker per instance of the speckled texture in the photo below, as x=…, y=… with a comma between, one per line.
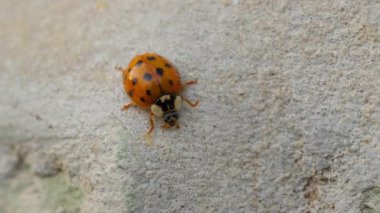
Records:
x=288, y=119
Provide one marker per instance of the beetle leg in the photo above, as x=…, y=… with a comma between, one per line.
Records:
x=188, y=83
x=119, y=68
x=165, y=126
x=151, y=120
x=126, y=106
x=189, y=102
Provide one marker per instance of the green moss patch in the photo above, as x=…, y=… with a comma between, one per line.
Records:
x=27, y=193
x=371, y=200
x=57, y=194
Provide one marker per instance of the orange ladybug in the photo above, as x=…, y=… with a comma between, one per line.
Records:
x=152, y=82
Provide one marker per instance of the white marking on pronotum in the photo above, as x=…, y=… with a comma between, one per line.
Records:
x=177, y=103
x=156, y=110
x=164, y=97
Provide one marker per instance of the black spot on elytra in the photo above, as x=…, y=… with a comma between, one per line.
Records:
x=134, y=81
x=168, y=65
x=147, y=76
x=130, y=93
x=129, y=69
x=159, y=71
x=148, y=92
x=142, y=99
x=170, y=82
x=151, y=58
x=139, y=63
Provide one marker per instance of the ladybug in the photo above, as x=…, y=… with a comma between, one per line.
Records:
x=152, y=82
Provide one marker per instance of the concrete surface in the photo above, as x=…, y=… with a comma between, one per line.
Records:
x=288, y=119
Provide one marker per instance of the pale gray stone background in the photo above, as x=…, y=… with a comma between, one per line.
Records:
x=288, y=119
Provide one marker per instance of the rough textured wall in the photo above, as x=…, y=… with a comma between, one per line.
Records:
x=288, y=120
